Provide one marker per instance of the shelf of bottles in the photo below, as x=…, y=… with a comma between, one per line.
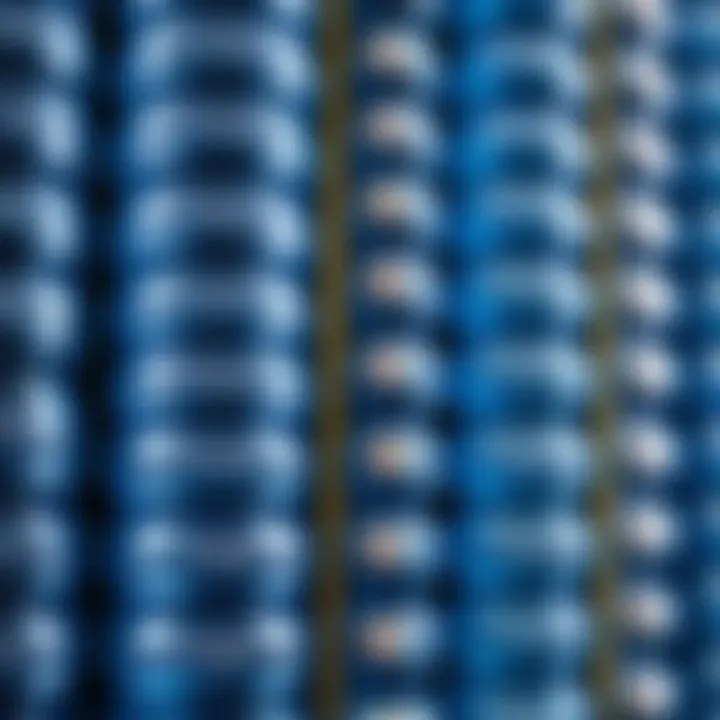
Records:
x=696, y=56
x=525, y=372
x=217, y=398
x=399, y=251
x=42, y=85
x=652, y=337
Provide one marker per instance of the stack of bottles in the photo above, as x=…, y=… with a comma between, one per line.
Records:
x=525, y=380
x=216, y=396
x=42, y=65
x=651, y=342
x=696, y=48
x=399, y=242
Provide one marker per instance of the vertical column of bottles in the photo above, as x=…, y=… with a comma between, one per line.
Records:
x=696, y=35
x=41, y=90
x=524, y=372
x=398, y=243
x=216, y=397
x=650, y=362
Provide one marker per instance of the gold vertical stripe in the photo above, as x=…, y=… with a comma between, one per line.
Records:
x=603, y=277
x=332, y=339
